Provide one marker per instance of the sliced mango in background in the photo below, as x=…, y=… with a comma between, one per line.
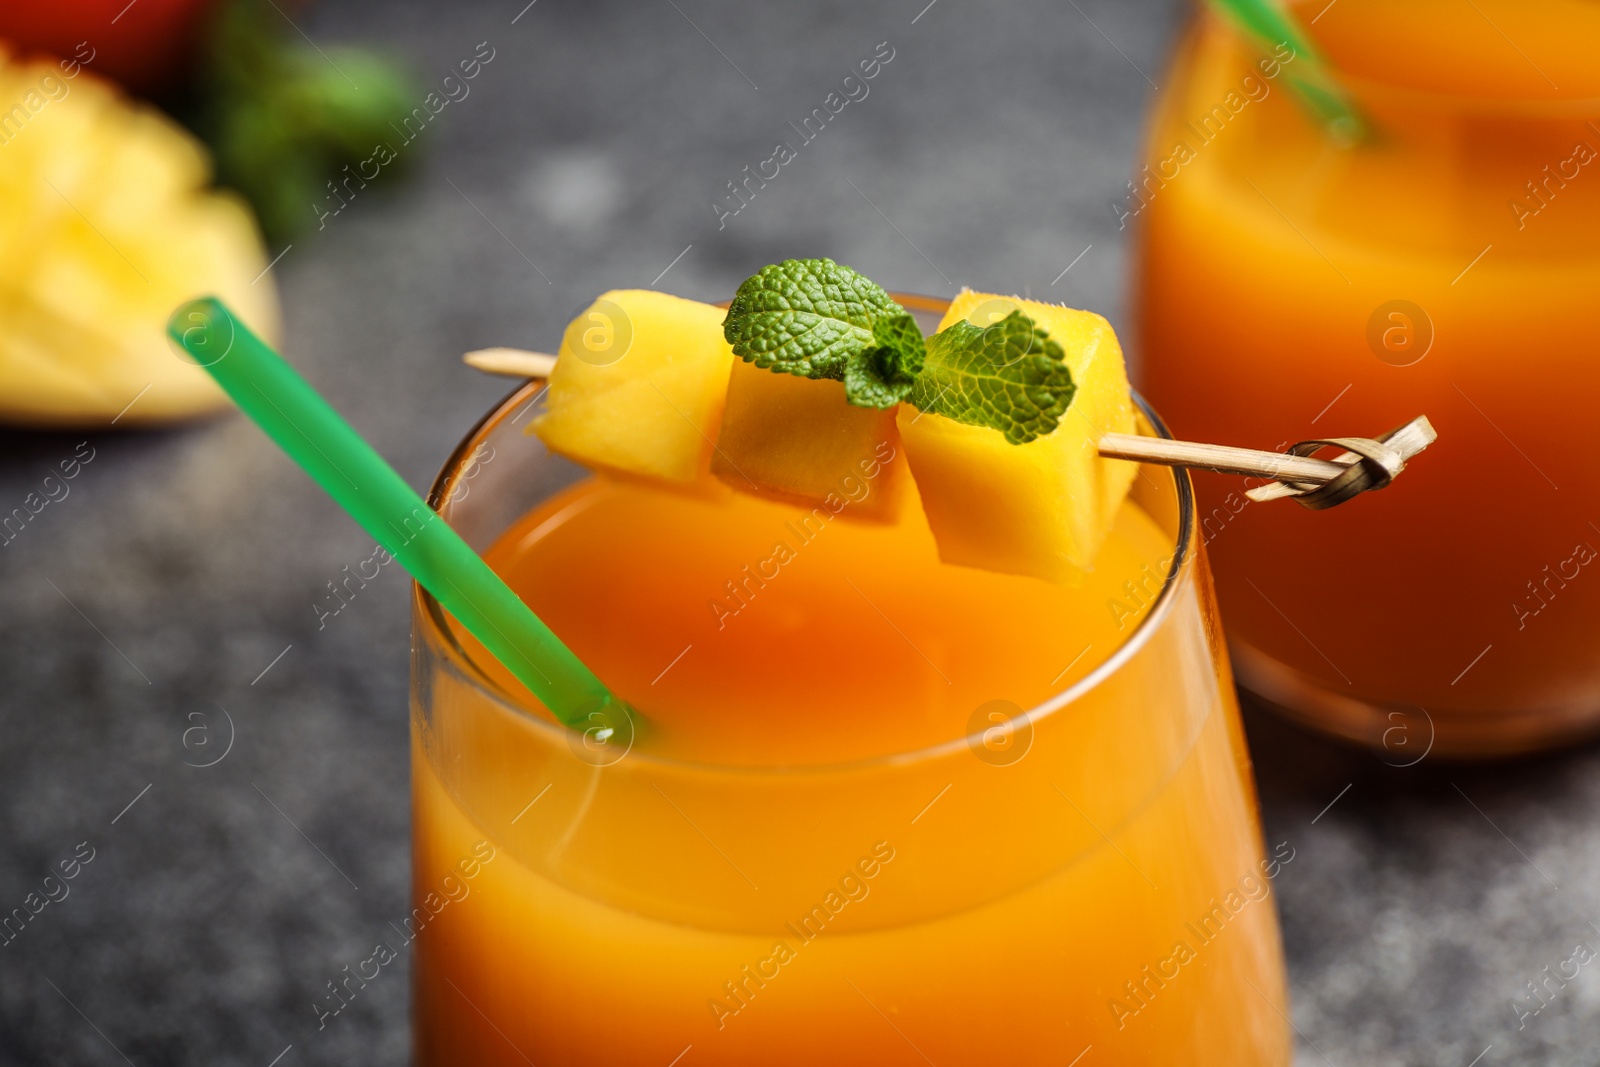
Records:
x=1042, y=508
x=798, y=440
x=638, y=388
x=106, y=225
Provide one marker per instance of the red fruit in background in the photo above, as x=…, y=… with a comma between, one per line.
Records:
x=147, y=45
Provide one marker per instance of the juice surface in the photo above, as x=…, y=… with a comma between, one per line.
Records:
x=1288, y=289
x=759, y=633
x=1101, y=894
x=1495, y=49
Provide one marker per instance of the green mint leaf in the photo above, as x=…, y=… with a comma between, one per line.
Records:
x=881, y=376
x=813, y=317
x=1009, y=377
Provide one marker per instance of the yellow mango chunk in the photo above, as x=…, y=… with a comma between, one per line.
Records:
x=638, y=387
x=798, y=440
x=1042, y=508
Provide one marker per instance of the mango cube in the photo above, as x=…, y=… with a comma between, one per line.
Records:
x=638, y=387
x=1042, y=508
x=798, y=439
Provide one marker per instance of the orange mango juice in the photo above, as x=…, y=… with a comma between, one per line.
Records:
x=1290, y=289
x=837, y=839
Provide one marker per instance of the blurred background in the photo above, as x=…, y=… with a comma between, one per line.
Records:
x=177, y=702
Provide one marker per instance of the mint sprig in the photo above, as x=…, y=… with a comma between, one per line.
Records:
x=1009, y=376
x=817, y=319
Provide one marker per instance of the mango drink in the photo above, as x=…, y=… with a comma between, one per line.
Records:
x=883, y=809
x=1447, y=265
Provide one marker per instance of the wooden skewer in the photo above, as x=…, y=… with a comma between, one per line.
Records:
x=1224, y=458
x=511, y=362
x=1279, y=466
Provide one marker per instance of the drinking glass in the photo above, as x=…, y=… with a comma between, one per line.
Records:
x=1085, y=875
x=1288, y=289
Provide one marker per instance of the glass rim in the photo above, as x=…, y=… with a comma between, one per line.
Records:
x=431, y=612
x=1377, y=90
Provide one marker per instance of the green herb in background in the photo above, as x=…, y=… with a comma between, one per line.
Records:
x=284, y=118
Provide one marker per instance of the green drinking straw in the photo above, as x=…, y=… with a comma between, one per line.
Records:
x=303, y=424
x=1268, y=24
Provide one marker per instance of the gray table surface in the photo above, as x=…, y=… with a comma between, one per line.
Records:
x=185, y=562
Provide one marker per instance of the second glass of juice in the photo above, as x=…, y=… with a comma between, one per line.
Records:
x=1289, y=288
x=885, y=811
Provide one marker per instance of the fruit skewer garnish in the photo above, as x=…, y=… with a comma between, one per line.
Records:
x=1013, y=424
x=1295, y=473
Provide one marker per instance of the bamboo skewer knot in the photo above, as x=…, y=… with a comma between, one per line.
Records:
x=1369, y=463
